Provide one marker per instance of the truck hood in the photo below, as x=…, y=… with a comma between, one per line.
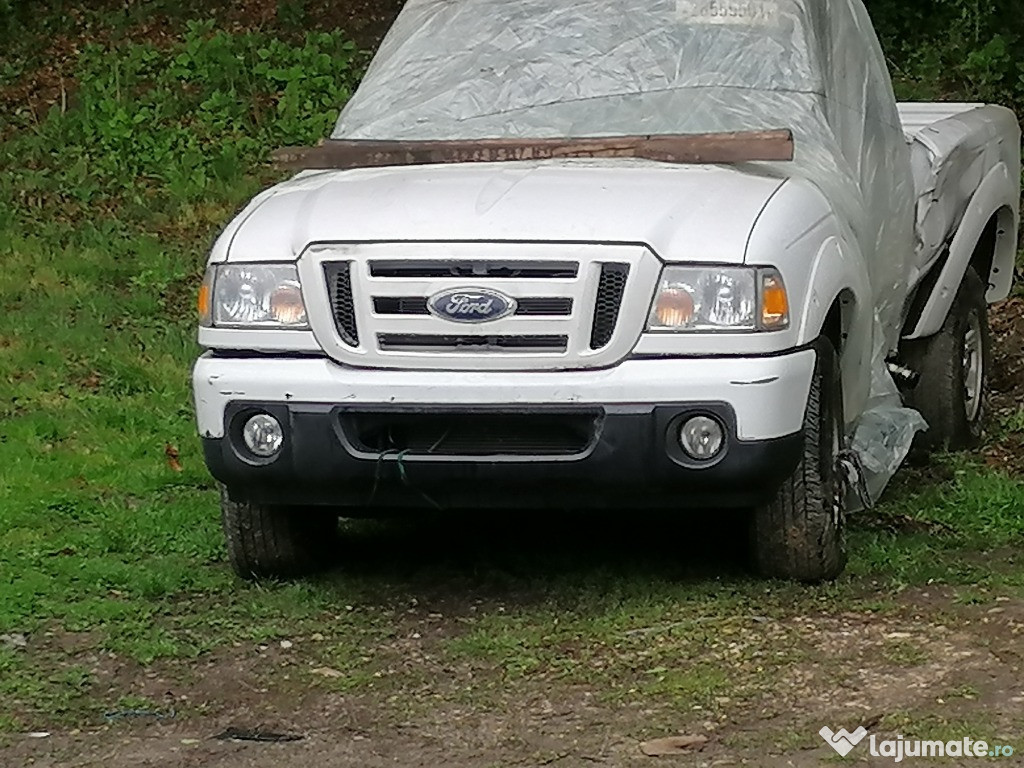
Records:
x=683, y=213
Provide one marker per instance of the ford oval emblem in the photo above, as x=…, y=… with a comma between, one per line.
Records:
x=471, y=305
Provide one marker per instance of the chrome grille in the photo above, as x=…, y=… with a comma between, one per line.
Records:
x=501, y=270
x=575, y=305
x=417, y=305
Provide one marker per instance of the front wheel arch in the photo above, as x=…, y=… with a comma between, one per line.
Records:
x=841, y=327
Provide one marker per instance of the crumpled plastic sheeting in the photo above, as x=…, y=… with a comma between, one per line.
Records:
x=470, y=69
x=884, y=433
x=882, y=441
x=882, y=438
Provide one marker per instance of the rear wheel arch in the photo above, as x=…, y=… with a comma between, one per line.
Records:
x=994, y=255
x=952, y=366
x=986, y=240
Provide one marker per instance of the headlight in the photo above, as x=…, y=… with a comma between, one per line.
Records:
x=252, y=296
x=719, y=299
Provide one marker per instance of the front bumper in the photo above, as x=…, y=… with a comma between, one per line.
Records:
x=632, y=459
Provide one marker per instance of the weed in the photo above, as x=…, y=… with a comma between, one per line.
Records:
x=904, y=654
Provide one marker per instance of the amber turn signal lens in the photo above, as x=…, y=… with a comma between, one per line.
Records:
x=674, y=308
x=204, y=302
x=774, y=302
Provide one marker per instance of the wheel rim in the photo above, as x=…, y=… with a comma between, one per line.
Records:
x=973, y=367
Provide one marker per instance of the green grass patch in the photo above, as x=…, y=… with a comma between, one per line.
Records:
x=934, y=727
x=904, y=654
x=968, y=529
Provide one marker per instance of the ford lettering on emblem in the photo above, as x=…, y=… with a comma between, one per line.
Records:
x=471, y=305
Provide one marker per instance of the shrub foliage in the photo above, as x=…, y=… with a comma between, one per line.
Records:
x=180, y=118
x=954, y=49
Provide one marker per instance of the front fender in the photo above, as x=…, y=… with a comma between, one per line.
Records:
x=800, y=234
x=839, y=274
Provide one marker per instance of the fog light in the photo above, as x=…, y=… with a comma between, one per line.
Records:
x=702, y=437
x=263, y=435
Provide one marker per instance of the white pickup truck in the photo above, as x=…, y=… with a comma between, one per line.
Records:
x=564, y=255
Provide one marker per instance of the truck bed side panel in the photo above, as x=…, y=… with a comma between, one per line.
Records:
x=954, y=147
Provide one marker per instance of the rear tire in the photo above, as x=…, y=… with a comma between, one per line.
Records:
x=276, y=541
x=800, y=534
x=953, y=366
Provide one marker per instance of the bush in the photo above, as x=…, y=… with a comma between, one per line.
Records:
x=954, y=49
x=179, y=118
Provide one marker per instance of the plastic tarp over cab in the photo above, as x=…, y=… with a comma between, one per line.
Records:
x=474, y=69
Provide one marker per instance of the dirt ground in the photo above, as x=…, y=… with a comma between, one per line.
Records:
x=1007, y=383
x=965, y=667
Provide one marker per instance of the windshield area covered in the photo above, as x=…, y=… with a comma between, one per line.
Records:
x=471, y=69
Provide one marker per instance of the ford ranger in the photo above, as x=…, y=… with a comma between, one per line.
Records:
x=670, y=253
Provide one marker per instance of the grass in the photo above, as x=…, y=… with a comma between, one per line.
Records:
x=939, y=728
x=904, y=654
x=110, y=550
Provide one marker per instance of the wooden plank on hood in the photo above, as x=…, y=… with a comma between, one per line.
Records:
x=747, y=146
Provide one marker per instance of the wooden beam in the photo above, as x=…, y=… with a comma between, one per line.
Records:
x=681, y=148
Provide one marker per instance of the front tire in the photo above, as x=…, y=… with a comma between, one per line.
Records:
x=800, y=534
x=265, y=541
x=953, y=367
